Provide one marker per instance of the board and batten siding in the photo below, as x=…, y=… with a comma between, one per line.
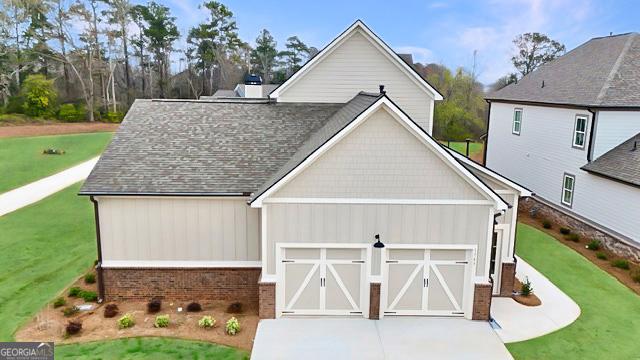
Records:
x=355, y=65
x=614, y=128
x=178, y=229
x=379, y=159
x=540, y=156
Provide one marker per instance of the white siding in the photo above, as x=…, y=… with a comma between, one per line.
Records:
x=540, y=156
x=380, y=159
x=613, y=128
x=178, y=229
x=357, y=65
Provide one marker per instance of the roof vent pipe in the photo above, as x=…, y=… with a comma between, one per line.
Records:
x=635, y=145
x=382, y=92
x=542, y=83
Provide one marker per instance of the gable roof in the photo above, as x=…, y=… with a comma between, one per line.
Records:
x=358, y=25
x=622, y=163
x=603, y=72
x=341, y=124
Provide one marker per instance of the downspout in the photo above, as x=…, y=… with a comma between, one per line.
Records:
x=96, y=215
x=592, y=132
x=493, y=234
x=486, y=140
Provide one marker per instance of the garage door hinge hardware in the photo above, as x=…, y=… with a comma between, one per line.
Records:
x=392, y=261
x=389, y=312
x=457, y=313
x=358, y=261
x=426, y=282
x=462, y=262
x=288, y=261
x=355, y=312
x=323, y=282
x=288, y=312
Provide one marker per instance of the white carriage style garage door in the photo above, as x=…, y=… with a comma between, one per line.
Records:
x=321, y=279
x=426, y=281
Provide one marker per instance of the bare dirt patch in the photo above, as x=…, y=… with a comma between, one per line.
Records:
x=49, y=324
x=530, y=300
x=55, y=129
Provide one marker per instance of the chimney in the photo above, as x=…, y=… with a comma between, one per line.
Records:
x=382, y=92
x=253, y=86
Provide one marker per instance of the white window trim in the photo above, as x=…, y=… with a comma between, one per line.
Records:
x=576, y=132
x=513, y=122
x=114, y=264
x=564, y=189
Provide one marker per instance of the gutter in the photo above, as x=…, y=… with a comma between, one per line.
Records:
x=592, y=133
x=486, y=141
x=99, y=245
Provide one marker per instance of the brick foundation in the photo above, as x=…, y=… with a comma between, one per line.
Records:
x=232, y=284
x=267, y=307
x=482, y=301
x=507, y=278
x=539, y=210
x=374, y=301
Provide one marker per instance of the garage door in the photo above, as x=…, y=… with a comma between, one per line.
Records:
x=315, y=280
x=425, y=281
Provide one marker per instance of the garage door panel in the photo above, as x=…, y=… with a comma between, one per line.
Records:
x=405, y=254
x=446, y=295
x=301, y=254
x=301, y=291
x=411, y=299
x=343, y=290
x=345, y=254
x=451, y=255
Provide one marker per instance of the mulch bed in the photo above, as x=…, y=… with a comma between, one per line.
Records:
x=531, y=300
x=624, y=276
x=8, y=130
x=49, y=324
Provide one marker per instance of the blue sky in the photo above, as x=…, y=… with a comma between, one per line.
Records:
x=433, y=31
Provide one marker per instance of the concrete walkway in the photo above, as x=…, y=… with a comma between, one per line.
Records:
x=390, y=338
x=38, y=190
x=519, y=322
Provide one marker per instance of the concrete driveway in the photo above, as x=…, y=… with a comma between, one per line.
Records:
x=390, y=338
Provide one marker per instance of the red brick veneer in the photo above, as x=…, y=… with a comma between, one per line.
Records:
x=374, y=301
x=482, y=301
x=267, y=307
x=507, y=278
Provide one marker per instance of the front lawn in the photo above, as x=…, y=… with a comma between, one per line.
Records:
x=44, y=247
x=609, y=325
x=149, y=348
x=22, y=160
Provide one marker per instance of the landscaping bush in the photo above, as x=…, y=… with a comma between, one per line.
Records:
x=70, y=311
x=114, y=117
x=232, y=327
x=90, y=278
x=162, y=321
x=15, y=105
x=39, y=95
x=89, y=296
x=111, y=310
x=154, y=306
x=235, y=308
x=620, y=264
x=72, y=113
x=593, y=245
x=126, y=321
x=565, y=231
x=59, y=302
x=600, y=255
x=207, y=322
x=74, y=291
x=194, y=307
x=526, y=288
x=73, y=327
x=573, y=237
x=546, y=224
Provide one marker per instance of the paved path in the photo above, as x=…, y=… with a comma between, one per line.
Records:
x=390, y=338
x=38, y=190
x=519, y=322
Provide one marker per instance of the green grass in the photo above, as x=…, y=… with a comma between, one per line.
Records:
x=609, y=325
x=22, y=161
x=149, y=348
x=461, y=147
x=43, y=248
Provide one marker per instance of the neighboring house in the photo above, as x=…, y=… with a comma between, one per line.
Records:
x=569, y=131
x=328, y=198
x=253, y=88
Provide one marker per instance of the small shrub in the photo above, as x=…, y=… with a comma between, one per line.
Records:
x=620, y=264
x=111, y=310
x=593, y=245
x=72, y=113
x=70, y=311
x=74, y=291
x=51, y=151
x=154, y=306
x=573, y=237
x=232, y=327
x=194, y=307
x=207, y=322
x=636, y=275
x=565, y=231
x=126, y=321
x=90, y=278
x=73, y=327
x=235, y=308
x=114, y=117
x=59, y=302
x=546, y=224
x=162, y=321
x=600, y=255
x=526, y=288
x=89, y=296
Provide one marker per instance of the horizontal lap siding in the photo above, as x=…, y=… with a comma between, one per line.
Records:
x=178, y=229
x=614, y=127
x=357, y=65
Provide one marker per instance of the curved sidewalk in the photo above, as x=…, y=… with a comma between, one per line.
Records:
x=519, y=322
x=28, y=194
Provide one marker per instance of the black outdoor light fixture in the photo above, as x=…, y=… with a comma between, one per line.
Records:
x=378, y=244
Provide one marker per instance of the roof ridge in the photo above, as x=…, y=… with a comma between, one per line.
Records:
x=615, y=35
x=615, y=68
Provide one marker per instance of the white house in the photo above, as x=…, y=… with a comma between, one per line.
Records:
x=569, y=131
x=328, y=198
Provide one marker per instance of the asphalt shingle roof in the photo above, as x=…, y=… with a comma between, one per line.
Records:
x=620, y=163
x=602, y=72
x=203, y=147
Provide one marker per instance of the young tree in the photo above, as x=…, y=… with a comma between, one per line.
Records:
x=296, y=49
x=118, y=14
x=533, y=50
x=503, y=81
x=139, y=42
x=61, y=18
x=263, y=57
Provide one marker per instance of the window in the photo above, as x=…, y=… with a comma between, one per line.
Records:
x=517, y=121
x=580, y=131
x=568, y=184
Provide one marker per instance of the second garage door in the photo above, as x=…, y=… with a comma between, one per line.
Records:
x=426, y=281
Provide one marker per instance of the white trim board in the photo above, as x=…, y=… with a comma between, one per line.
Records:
x=375, y=201
x=114, y=264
